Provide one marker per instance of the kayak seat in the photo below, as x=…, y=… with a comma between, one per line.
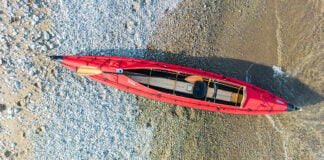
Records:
x=199, y=90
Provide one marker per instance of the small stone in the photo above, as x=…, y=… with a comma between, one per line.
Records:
x=135, y=6
x=32, y=108
x=10, y=38
x=37, y=85
x=2, y=107
x=11, y=113
x=7, y=153
x=59, y=42
x=7, y=132
x=35, y=5
x=32, y=46
x=37, y=35
x=50, y=45
x=46, y=88
x=7, y=48
x=3, y=27
x=14, y=19
x=18, y=46
x=29, y=95
x=19, y=103
x=11, y=10
x=23, y=134
x=17, y=110
x=23, y=153
x=14, y=156
x=20, y=119
x=43, y=48
x=129, y=25
x=18, y=5
x=18, y=85
x=178, y=111
x=47, y=36
x=25, y=30
x=51, y=33
x=2, y=38
x=13, y=145
x=137, y=40
x=36, y=19
x=15, y=31
x=27, y=14
x=147, y=2
x=40, y=130
x=150, y=47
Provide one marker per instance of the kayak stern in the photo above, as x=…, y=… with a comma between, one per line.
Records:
x=291, y=107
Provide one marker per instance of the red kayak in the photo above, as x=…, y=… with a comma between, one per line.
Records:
x=177, y=84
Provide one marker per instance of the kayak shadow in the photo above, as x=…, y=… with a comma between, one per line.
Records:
x=266, y=77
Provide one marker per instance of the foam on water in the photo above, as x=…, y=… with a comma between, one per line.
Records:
x=277, y=71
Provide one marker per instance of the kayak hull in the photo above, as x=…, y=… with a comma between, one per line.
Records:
x=256, y=100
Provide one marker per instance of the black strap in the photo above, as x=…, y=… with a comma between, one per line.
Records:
x=215, y=92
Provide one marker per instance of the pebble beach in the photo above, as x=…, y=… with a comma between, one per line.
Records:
x=48, y=112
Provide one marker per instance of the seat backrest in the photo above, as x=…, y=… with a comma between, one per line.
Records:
x=199, y=90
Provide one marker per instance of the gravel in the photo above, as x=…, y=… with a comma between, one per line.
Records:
x=98, y=25
x=85, y=119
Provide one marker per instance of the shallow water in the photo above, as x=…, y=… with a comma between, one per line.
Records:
x=243, y=39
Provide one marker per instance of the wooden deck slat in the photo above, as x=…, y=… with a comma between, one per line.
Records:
x=186, y=87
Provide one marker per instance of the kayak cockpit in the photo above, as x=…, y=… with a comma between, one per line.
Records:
x=180, y=84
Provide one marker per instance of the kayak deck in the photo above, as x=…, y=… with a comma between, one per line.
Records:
x=175, y=83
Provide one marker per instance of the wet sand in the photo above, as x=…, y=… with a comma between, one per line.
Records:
x=242, y=39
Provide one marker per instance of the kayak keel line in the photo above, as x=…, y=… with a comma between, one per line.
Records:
x=177, y=84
